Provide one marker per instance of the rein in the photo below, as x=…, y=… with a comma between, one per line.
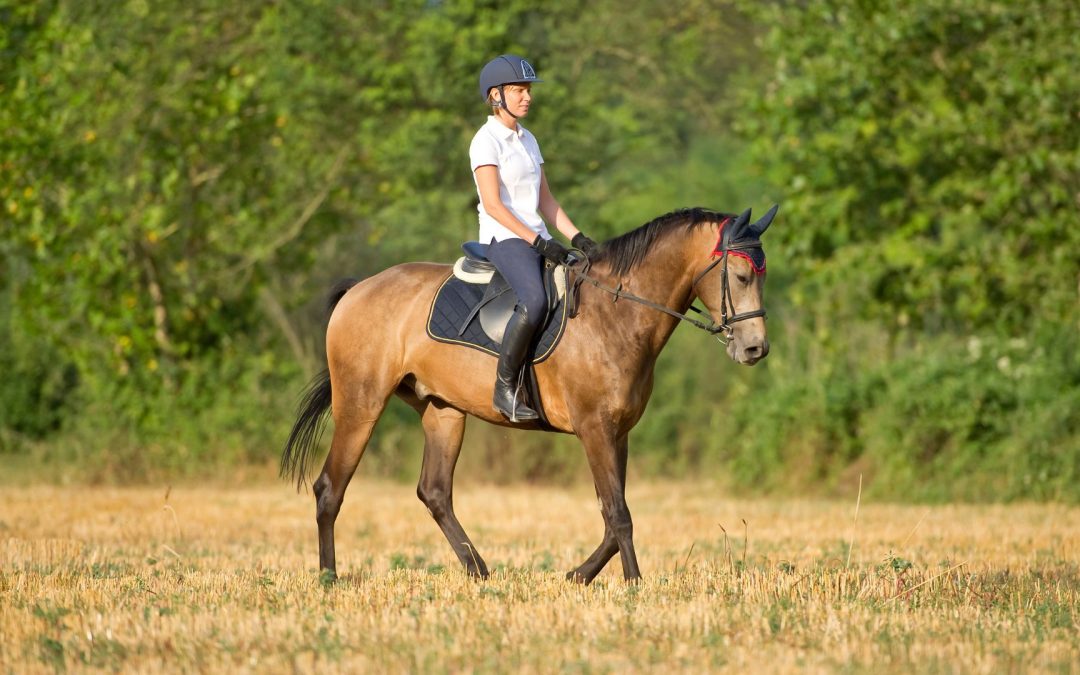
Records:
x=712, y=328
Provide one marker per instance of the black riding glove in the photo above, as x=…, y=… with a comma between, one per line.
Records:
x=551, y=249
x=587, y=246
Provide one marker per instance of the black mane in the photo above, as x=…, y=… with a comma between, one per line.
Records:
x=624, y=252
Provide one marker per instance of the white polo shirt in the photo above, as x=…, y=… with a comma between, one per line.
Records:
x=518, y=159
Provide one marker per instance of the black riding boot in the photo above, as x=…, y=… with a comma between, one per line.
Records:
x=515, y=345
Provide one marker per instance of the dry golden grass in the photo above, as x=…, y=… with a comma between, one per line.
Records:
x=212, y=580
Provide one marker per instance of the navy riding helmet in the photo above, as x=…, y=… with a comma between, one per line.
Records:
x=505, y=69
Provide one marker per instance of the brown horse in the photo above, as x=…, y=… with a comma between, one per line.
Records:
x=595, y=385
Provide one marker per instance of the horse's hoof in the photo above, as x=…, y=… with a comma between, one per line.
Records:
x=576, y=577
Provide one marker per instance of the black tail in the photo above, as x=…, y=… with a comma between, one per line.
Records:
x=311, y=413
x=304, y=437
x=337, y=293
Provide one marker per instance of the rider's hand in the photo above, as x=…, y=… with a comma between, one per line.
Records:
x=587, y=246
x=551, y=249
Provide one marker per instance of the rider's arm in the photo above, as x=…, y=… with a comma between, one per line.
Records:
x=552, y=211
x=487, y=181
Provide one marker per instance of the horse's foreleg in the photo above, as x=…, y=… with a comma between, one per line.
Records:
x=588, y=570
x=444, y=428
x=607, y=460
x=351, y=434
x=596, y=562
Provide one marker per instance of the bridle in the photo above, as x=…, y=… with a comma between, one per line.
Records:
x=723, y=250
x=726, y=326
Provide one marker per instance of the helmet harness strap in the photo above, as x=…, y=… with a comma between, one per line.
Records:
x=502, y=101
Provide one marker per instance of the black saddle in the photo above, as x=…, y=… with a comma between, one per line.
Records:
x=498, y=301
x=475, y=314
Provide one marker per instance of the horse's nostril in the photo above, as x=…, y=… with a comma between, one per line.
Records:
x=753, y=352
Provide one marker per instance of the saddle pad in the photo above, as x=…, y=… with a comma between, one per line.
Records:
x=452, y=304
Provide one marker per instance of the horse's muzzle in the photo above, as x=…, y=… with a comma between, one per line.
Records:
x=748, y=352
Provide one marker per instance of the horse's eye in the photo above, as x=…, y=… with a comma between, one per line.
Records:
x=744, y=279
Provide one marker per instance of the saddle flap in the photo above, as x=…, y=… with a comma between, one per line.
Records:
x=495, y=307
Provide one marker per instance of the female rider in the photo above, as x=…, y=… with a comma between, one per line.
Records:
x=515, y=202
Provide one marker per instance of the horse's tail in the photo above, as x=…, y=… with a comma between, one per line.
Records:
x=338, y=292
x=306, y=432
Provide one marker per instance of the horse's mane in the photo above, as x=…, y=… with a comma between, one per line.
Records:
x=626, y=251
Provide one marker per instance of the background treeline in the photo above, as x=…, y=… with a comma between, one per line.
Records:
x=180, y=182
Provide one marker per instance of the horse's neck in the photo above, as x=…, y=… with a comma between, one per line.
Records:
x=664, y=277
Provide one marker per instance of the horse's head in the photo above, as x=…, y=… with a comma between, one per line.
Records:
x=731, y=286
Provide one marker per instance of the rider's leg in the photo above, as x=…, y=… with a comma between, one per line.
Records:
x=522, y=268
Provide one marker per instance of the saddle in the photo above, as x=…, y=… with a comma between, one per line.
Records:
x=472, y=306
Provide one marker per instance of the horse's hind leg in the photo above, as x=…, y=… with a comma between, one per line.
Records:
x=444, y=428
x=353, y=424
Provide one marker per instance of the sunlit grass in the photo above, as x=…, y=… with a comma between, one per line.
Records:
x=212, y=579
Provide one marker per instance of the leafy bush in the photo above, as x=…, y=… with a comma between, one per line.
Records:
x=36, y=391
x=179, y=182
x=992, y=418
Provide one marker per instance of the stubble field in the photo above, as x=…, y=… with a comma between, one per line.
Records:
x=212, y=579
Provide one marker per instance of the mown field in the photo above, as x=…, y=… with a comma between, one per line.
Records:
x=213, y=579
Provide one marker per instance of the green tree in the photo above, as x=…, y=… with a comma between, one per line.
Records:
x=929, y=156
x=179, y=180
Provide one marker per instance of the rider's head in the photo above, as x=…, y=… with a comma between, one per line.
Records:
x=501, y=71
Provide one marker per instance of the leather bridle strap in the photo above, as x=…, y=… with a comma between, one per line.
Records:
x=725, y=287
x=583, y=275
x=712, y=328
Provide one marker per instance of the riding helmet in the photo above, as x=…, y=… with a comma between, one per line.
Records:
x=505, y=69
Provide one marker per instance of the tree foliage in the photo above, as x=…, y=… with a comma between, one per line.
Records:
x=181, y=180
x=930, y=158
x=179, y=183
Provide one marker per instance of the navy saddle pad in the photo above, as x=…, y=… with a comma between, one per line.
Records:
x=452, y=319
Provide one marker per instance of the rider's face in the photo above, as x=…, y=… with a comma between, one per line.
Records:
x=518, y=98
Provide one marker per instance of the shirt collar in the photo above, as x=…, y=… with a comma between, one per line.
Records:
x=500, y=130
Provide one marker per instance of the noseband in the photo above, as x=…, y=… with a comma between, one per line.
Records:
x=723, y=248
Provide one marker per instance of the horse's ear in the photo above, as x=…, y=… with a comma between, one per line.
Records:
x=734, y=231
x=758, y=228
x=741, y=221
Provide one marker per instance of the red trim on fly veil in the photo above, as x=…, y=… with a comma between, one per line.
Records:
x=747, y=258
x=719, y=249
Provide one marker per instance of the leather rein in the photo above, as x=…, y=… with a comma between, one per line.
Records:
x=712, y=328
